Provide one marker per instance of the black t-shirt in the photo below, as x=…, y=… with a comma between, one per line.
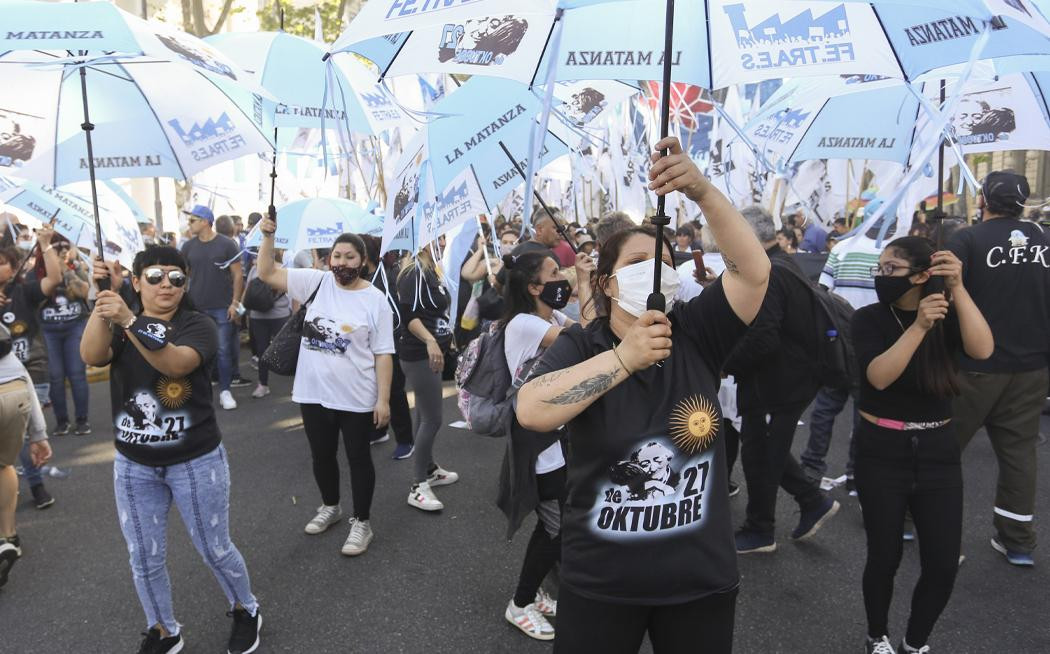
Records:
x=159, y=421
x=1006, y=269
x=647, y=517
x=19, y=315
x=427, y=300
x=61, y=309
x=875, y=329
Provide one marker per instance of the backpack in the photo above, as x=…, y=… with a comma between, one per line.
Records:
x=484, y=384
x=835, y=363
x=259, y=296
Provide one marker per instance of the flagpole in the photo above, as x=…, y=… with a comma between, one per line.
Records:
x=539, y=198
x=272, y=210
x=87, y=127
x=940, y=164
x=660, y=220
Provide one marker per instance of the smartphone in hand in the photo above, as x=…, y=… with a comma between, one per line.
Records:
x=701, y=270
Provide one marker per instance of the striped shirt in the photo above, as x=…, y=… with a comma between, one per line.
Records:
x=847, y=272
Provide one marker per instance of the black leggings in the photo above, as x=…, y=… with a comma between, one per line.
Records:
x=703, y=626
x=322, y=426
x=543, y=552
x=400, y=413
x=897, y=471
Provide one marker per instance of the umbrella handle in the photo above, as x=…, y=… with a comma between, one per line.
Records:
x=656, y=300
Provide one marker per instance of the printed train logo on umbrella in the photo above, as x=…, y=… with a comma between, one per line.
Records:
x=482, y=41
x=213, y=137
x=803, y=40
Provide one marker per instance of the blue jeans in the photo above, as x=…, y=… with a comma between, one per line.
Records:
x=201, y=491
x=225, y=355
x=63, y=361
x=29, y=471
x=826, y=407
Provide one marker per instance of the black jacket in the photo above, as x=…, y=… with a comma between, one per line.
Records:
x=773, y=362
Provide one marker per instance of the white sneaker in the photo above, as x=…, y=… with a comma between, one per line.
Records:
x=530, y=621
x=546, y=604
x=442, y=477
x=360, y=536
x=260, y=391
x=423, y=498
x=325, y=518
x=226, y=400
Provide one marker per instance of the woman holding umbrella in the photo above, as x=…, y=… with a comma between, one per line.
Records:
x=647, y=541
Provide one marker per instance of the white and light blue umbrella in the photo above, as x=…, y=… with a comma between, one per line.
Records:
x=313, y=90
x=314, y=223
x=70, y=210
x=716, y=43
x=92, y=91
x=839, y=119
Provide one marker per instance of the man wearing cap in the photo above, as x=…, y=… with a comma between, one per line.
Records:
x=1006, y=268
x=215, y=280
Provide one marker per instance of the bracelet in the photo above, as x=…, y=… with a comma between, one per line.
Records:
x=624, y=365
x=129, y=323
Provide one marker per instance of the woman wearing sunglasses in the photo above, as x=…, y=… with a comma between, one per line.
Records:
x=168, y=442
x=907, y=454
x=63, y=317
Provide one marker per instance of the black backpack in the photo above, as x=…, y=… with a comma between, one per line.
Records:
x=835, y=364
x=259, y=296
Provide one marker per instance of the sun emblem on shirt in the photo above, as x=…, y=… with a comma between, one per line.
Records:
x=346, y=328
x=19, y=328
x=694, y=424
x=173, y=393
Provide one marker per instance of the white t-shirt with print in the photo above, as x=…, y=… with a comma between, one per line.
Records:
x=521, y=343
x=343, y=332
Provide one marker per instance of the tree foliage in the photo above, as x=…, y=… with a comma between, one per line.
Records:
x=300, y=20
x=195, y=22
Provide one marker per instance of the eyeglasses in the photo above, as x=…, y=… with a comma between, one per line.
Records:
x=890, y=269
x=154, y=276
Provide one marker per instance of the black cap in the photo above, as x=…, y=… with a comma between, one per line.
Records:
x=1005, y=191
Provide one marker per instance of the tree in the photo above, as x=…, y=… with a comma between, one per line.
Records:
x=194, y=21
x=300, y=20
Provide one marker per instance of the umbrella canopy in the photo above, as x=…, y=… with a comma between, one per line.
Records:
x=70, y=209
x=809, y=119
x=310, y=87
x=314, y=223
x=716, y=43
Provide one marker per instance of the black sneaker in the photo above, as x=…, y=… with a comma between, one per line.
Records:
x=62, y=429
x=813, y=519
x=83, y=428
x=41, y=497
x=244, y=636
x=10, y=551
x=153, y=643
x=241, y=382
x=734, y=489
x=851, y=487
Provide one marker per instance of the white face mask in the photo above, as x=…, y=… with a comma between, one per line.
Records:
x=26, y=245
x=635, y=283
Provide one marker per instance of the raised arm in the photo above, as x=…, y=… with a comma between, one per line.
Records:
x=274, y=276
x=52, y=262
x=551, y=400
x=747, y=266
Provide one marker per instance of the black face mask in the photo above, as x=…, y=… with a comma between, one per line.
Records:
x=891, y=289
x=556, y=294
x=346, y=275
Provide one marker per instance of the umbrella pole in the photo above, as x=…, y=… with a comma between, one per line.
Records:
x=87, y=126
x=656, y=299
x=940, y=165
x=557, y=223
x=272, y=210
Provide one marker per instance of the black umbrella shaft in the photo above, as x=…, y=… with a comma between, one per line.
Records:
x=87, y=126
x=656, y=300
x=539, y=198
x=272, y=210
x=940, y=162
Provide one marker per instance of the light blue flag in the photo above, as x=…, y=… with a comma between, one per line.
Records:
x=458, y=243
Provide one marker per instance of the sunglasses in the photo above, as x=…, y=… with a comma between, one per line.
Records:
x=154, y=276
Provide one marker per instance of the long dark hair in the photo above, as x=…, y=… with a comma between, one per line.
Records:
x=521, y=271
x=938, y=374
x=162, y=255
x=607, y=258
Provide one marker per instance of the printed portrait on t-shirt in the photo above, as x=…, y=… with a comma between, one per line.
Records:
x=660, y=486
x=153, y=417
x=323, y=334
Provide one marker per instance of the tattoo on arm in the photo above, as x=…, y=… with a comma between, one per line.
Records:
x=586, y=389
x=546, y=380
x=730, y=265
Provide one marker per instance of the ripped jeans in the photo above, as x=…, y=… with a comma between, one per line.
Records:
x=201, y=491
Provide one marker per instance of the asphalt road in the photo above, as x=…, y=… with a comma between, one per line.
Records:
x=439, y=583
